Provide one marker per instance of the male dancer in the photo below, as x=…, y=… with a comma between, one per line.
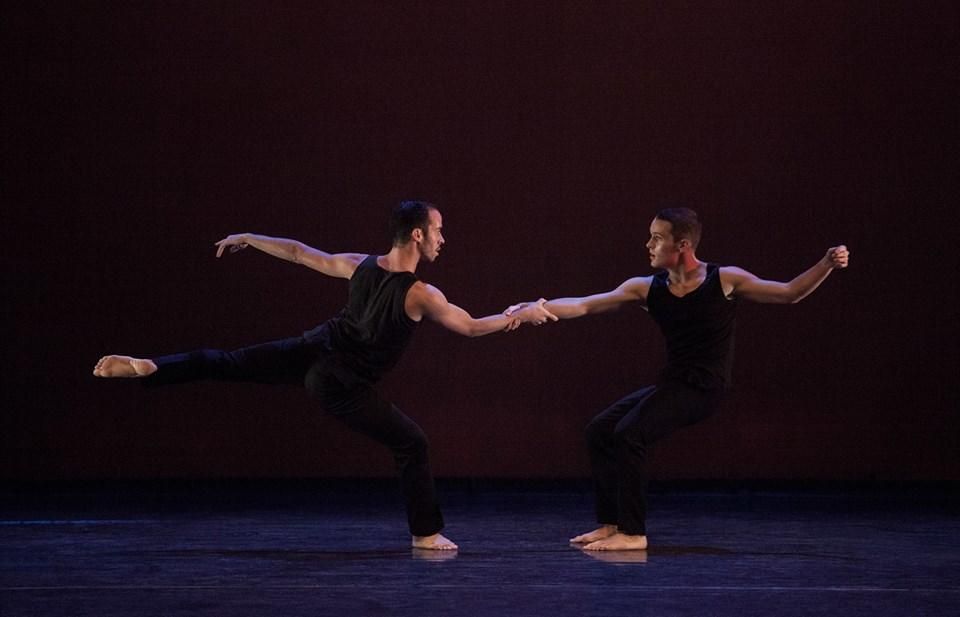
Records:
x=694, y=303
x=340, y=360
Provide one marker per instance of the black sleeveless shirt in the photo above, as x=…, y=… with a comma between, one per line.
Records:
x=370, y=334
x=698, y=329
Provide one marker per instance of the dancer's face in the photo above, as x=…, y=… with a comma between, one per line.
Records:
x=664, y=250
x=433, y=238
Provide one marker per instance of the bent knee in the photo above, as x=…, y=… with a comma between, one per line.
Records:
x=598, y=432
x=418, y=442
x=414, y=445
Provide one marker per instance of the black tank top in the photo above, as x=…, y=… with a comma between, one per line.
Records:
x=370, y=334
x=698, y=329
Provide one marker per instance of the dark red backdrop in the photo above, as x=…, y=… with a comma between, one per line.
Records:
x=134, y=136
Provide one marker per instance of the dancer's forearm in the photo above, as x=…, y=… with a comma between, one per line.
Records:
x=804, y=284
x=283, y=248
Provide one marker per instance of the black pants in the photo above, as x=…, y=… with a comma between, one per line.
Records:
x=618, y=440
x=296, y=361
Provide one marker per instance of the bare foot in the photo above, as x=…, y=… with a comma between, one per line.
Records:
x=123, y=366
x=436, y=542
x=605, y=531
x=618, y=542
x=618, y=557
x=426, y=554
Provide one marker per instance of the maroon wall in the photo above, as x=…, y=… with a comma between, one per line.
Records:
x=134, y=136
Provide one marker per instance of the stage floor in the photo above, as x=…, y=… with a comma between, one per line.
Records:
x=341, y=549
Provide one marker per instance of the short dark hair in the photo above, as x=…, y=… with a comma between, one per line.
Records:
x=683, y=224
x=407, y=216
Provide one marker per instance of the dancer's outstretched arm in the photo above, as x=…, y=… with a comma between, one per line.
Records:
x=740, y=283
x=427, y=300
x=341, y=265
x=631, y=290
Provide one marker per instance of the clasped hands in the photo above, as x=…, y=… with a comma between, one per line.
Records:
x=529, y=312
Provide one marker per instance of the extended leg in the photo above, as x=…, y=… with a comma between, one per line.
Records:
x=283, y=361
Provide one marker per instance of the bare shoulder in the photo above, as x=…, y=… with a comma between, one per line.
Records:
x=637, y=286
x=425, y=292
x=729, y=277
x=349, y=261
x=354, y=258
x=733, y=274
x=733, y=271
x=423, y=299
x=734, y=278
x=341, y=265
